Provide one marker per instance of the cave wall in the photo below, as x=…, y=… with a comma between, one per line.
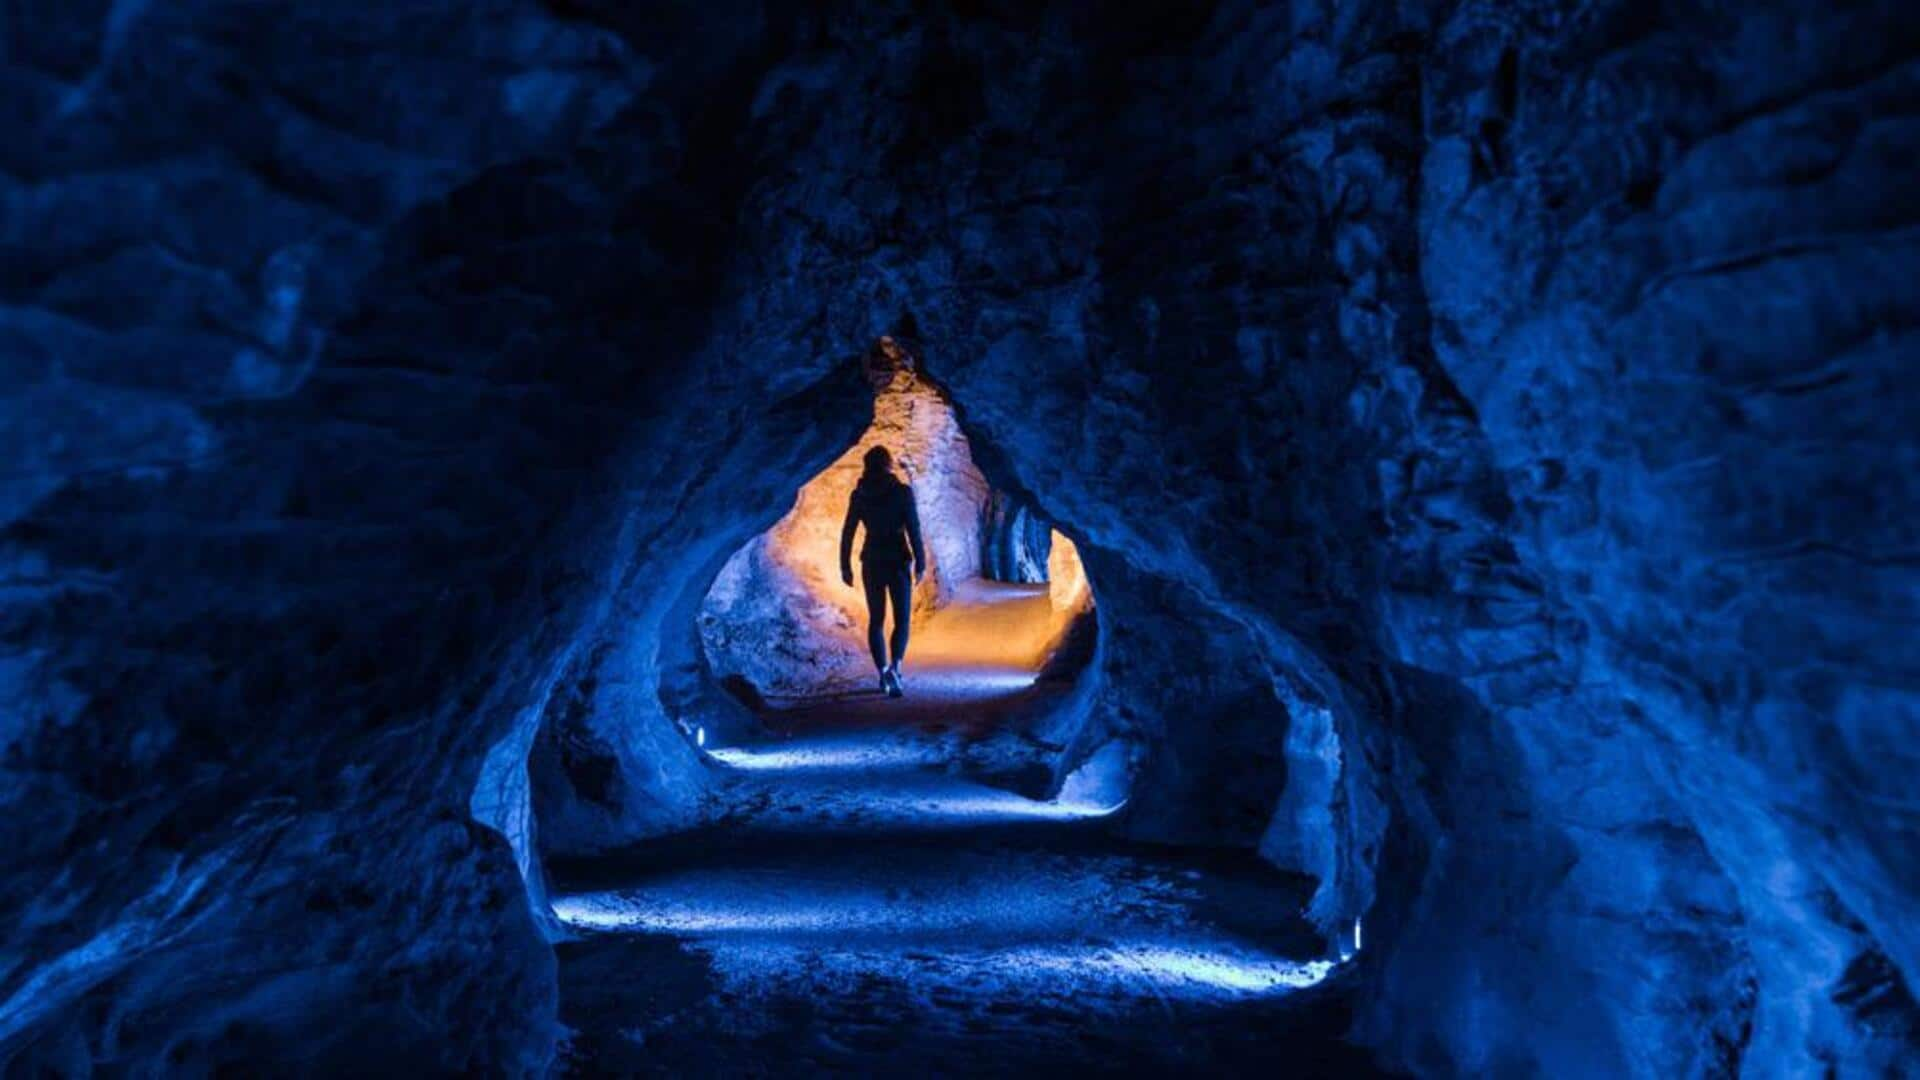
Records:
x=309, y=386
x=1511, y=391
x=1014, y=542
x=1667, y=254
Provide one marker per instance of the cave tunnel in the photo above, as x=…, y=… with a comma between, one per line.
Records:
x=776, y=621
x=969, y=842
x=1002, y=621
x=1422, y=572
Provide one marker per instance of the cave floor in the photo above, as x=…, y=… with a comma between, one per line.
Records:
x=968, y=662
x=973, y=703
x=882, y=898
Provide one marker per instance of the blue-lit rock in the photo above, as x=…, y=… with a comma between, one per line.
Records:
x=1522, y=393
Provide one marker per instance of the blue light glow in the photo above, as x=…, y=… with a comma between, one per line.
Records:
x=830, y=756
x=1000, y=923
x=941, y=802
x=1171, y=966
x=610, y=911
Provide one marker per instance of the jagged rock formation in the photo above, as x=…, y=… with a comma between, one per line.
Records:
x=1490, y=415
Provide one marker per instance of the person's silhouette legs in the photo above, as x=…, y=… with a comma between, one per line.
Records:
x=876, y=589
x=900, y=591
x=884, y=582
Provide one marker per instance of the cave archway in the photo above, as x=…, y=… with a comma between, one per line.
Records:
x=629, y=738
x=761, y=642
x=1004, y=620
x=761, y=791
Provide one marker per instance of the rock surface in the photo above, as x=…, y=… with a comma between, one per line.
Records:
x=1488, y=426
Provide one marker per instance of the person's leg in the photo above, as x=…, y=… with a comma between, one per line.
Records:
x=875, y=581
x=901, y=589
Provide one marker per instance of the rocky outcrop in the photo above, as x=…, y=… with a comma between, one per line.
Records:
x=1661, y=257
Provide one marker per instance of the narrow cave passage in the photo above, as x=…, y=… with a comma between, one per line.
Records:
x=1003, y=620
x=889, y=876
x=1489, y=431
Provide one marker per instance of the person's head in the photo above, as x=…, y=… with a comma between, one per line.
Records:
x=879, y=461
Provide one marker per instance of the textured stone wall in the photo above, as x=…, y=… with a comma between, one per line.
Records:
x=1667, y=254
x=1508, y=397
x=313, y=405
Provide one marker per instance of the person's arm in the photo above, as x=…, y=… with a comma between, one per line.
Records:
x=913, y=536
x=846, y=542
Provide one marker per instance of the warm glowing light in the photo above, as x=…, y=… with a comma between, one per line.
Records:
x=784, y=590
x=800, y=554
x=1067, y=587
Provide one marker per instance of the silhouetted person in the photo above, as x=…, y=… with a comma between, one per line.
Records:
x=891, y=559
